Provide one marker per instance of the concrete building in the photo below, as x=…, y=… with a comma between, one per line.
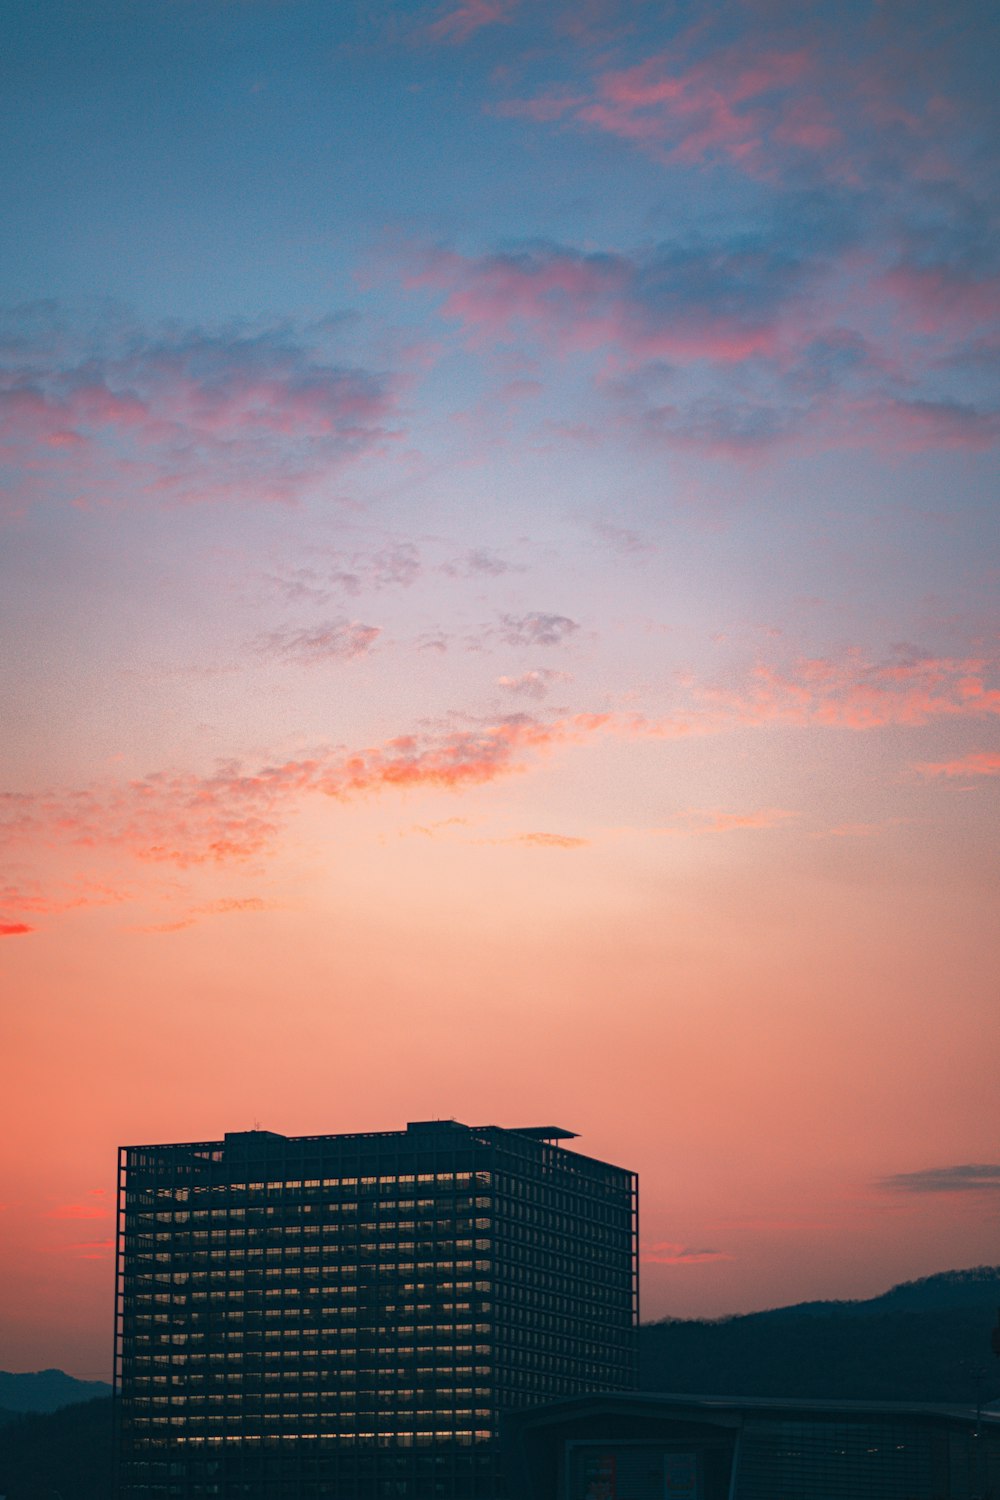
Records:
x=350, y=1316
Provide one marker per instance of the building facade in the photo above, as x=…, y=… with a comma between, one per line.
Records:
x=641, y=1446
x=349, y=1316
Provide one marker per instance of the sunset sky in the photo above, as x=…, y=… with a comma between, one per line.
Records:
x=499, y=577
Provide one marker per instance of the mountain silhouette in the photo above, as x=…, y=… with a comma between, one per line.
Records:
x=46, y=1390
x=926, y=1340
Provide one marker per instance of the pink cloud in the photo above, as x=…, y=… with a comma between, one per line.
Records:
x=458, y=25
x=699, y=821
x=856, y=693
x=670, y=1253
x=543, y=108
x=58, y=897
x=534, y=683
x=699, y=112
x=185, y=416
x=780, y=362
x=977, y=763
x=774, y=90
x=677, y=302
x=732, y=106
x=88, y=1249
x=918, y=425
x=944, y=299
x=94, y=1207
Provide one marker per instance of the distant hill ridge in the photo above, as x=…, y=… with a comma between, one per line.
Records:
x=945, y=1289
x=45, y=1390
x=925, y=1340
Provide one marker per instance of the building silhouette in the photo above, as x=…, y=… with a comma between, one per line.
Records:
x=645, y=1446
x=350, y=1316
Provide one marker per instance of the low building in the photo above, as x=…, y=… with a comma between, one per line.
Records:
x=621, y=1446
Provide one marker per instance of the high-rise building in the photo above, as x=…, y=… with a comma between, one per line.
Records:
x=349, y=1316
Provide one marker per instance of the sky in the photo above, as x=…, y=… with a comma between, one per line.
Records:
x=498, y=577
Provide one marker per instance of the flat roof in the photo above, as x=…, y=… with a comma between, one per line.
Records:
x=671, y=1403
x=413, y=1127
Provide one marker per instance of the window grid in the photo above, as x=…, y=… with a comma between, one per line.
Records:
x=359, y=1310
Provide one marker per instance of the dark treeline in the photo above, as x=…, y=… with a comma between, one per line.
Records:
x=926, y=1340
x=59, y=1455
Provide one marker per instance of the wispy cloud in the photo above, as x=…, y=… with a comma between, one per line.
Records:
x=94, y=1206
x=671, y=1253
x=225, y=906
x=335, y=573
x=976, y=763
x=699, y=821
x=783, y=93
x=734, y=106
x=969, y=1178
x=622, y=539
x=14, y=929
x=338, y=640
x=532, y=684
x=547, y=841
x=536, y=629
x=86, y=1249
x=56, y=897
x=910, y=688
x=479, y=562
x=460, y=22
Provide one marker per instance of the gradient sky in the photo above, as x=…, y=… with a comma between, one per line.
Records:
x=498, y=585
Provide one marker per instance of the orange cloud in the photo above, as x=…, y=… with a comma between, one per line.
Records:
x=60, y=898
x=185, y=818
x=14, y=929
x=548, y=840
x=433, y=830
x=94, y=1207
x=222, y=907
x=707, y=820
x=88, y=1249
x=233, y=903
